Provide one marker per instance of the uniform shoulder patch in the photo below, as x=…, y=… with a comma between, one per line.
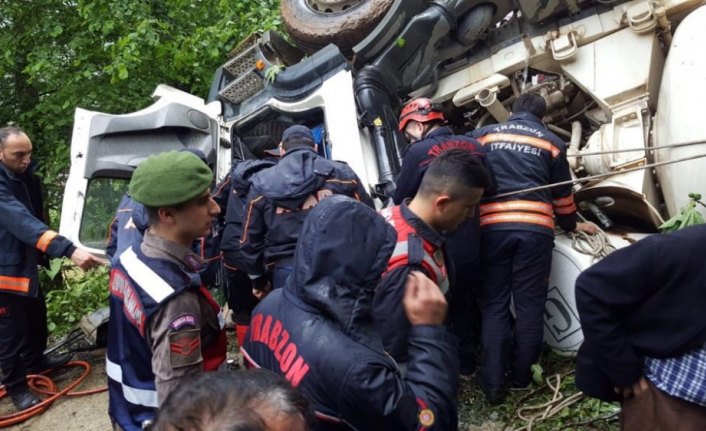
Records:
x=426, y=417
x=182, y=321
x=184, y=348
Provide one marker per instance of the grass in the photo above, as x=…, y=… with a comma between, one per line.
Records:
x=475, y=414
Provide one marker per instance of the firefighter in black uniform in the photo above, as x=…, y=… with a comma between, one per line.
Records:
x=517, y=238
x=447, y=197
x=280, y=199
x=25, y=239
x=238, y=287
x=422, y=122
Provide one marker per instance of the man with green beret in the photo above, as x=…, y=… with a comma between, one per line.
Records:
x=164, y=324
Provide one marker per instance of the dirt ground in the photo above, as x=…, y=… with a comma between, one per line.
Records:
x=88, y=413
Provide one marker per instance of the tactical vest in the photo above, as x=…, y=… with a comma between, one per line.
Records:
x=138, y=285
x=411, y=249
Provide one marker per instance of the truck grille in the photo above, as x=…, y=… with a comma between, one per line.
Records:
x=243, y=87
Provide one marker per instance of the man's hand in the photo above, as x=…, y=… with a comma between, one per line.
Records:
x=633, y=391
x=423, y=301
x=262, y=291
x=86, y=260
x=587, y=227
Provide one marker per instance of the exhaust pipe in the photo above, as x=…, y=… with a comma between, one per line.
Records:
x=489, y=100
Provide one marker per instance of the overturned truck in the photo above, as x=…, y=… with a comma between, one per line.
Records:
x=621, y=79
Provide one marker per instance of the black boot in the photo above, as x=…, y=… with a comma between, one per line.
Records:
x=48, y=362
x=24, y=399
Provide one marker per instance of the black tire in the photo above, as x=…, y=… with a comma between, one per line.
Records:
x=343, y=22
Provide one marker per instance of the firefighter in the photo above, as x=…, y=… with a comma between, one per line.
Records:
x=317, y=331
x=517, y=238
x=25, y=238
x=164, y=324
x=447, y=197
x=422, y=123
x=281, y=197
x=238, y=286
x=642, y=315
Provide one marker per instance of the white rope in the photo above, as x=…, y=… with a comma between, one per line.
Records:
x=596, y=245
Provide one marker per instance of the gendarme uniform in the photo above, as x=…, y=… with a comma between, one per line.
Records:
x=164, y=324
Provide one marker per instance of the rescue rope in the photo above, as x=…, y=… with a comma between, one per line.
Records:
x=42, y=384
x=596, y=245
x=550, y=408
x=631, y=150
x=594, y=177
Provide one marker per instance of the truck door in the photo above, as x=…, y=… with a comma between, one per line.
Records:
x=106, y=149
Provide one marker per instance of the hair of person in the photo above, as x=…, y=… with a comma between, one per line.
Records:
x=229, y=401
x=453, y=172
x=297, y=142
x=6, y=132
x=530, y=102
x=153, y=212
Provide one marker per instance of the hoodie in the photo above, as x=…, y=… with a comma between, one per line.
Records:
x=318, y=333
x=280, y=198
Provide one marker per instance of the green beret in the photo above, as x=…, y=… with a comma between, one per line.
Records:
x=169, y=179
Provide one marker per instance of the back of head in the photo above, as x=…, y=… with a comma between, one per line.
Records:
x=422, y=110
x=247, y=400
x=453, y=172
x=298, y=136
x=6, y=132
x=532, y=103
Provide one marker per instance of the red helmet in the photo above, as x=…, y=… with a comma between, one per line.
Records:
x=422, y=110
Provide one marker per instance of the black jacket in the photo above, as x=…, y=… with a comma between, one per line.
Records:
x=648, y=299
x=280, y=199
x=240, y=177
x=388, y=311
x=523, y=154
x=318, y=332
x=24, y=236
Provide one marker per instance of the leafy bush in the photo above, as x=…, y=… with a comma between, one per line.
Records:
x=71, y=294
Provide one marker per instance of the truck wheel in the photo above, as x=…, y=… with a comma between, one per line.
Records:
x=314, y=24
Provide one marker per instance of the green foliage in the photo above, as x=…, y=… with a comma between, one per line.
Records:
x=71, y=294
x=108, y=55
x=688, y=216
x=272, y=72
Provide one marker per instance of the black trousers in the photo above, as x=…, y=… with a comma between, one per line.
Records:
x=23, y=337
x=517, y=266
x=464, y=312
x=238, y=292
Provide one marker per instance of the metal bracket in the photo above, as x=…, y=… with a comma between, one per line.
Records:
x=564, y=46
x=641, y=17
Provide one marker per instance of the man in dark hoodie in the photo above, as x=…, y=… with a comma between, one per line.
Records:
x=280, y=199
x=319, y=334
x=238, y=287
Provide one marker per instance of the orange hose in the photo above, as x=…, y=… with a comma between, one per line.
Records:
x=46, y=386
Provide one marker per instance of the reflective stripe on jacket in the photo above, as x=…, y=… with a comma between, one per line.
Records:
x=524, y=154
x=23, y=234
x=139, y=286
x=432, y=257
